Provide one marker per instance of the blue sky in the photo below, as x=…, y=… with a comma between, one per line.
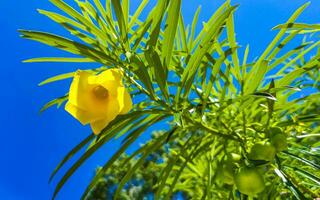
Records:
x=33, y=144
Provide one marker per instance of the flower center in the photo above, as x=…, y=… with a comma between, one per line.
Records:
x=100, y=92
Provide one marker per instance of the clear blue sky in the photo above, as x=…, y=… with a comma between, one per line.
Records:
x=32, y=144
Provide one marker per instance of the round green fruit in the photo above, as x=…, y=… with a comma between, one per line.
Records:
x=279, y=141
x=265, y=152
x=275, y=130
x=226, y=173
x=234, y=157
x=249, y=181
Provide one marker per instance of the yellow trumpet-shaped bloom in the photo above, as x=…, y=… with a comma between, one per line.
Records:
x=98, y=99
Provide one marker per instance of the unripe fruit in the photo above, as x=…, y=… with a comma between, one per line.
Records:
x=234, y=157
x=226, y=173
x=279, y=141
x=265, y=152
x=249, y=181
x=275, y=130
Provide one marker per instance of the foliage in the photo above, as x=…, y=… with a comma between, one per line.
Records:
x=218, y=104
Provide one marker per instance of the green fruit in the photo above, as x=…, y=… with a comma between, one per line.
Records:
x=234, y=157
x=249, y=181
x=279, y=141
x=265, y=152
x=226, y=173
x=275, y=130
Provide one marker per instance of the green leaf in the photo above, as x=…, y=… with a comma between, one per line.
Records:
x=133, y=136
x=183, y=34
x=57, y=78
x=67, y=45
x=121, y=122
x=256, y=73
x=160, y=71
x=71, y=153
x=308, y=162
x=59, y=101
x=281, y=45
x=295, y=191
x=77, y=29
x=136, y=15
x=90, y=27
x=61, y=19
x=167, y=169
x=126, y=10
x=150, y=149
x=297, y=73
x=195, y=60
x=296, y=26
x=121, y=19
x=139, y=68
x=233, y=45
x=305, y=174
x=217, y=64
x=139, y=34
x=265, y=95
x=157, y=15
x=170, y=31
x=193, y=28
x=59, y=59
x=244, y=63
x=257, y=79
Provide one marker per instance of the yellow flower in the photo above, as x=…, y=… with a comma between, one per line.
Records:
x=98, y=99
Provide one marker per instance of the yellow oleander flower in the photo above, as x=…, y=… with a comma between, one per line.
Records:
x=98, y=99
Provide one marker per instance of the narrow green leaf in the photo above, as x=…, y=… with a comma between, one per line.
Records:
x=150, y=149
x=265, y=95
x=90, y=27
x=57, y=78
x=293, y=75
x=193, y=28
x=75, y=28
x=256, y=73
x=170, y=31
x=296, y=192
x=296, y=26
x=59, y=101
x=67, y=45
x=71, y=153
x=121, y=122
x=244, y=63
x=183, y=34
x=126, y=10
x=59, y=59
x=139, y=34
x=308, y=162
x=157, y=15
x=300, y=55
x=121, y=19
x=233, y=45
x=257, y=79
x=305, y=174
x=195, y=60
x=134, y=135
x=137, y=13
x=160, y=71
x=139, y=68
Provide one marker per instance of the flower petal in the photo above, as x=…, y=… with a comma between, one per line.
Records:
x=80, y=90
x=107, y=75
x=99, y=125
x=124, y=99
x=111, y=112
x=112, y=87
x=84, y=117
